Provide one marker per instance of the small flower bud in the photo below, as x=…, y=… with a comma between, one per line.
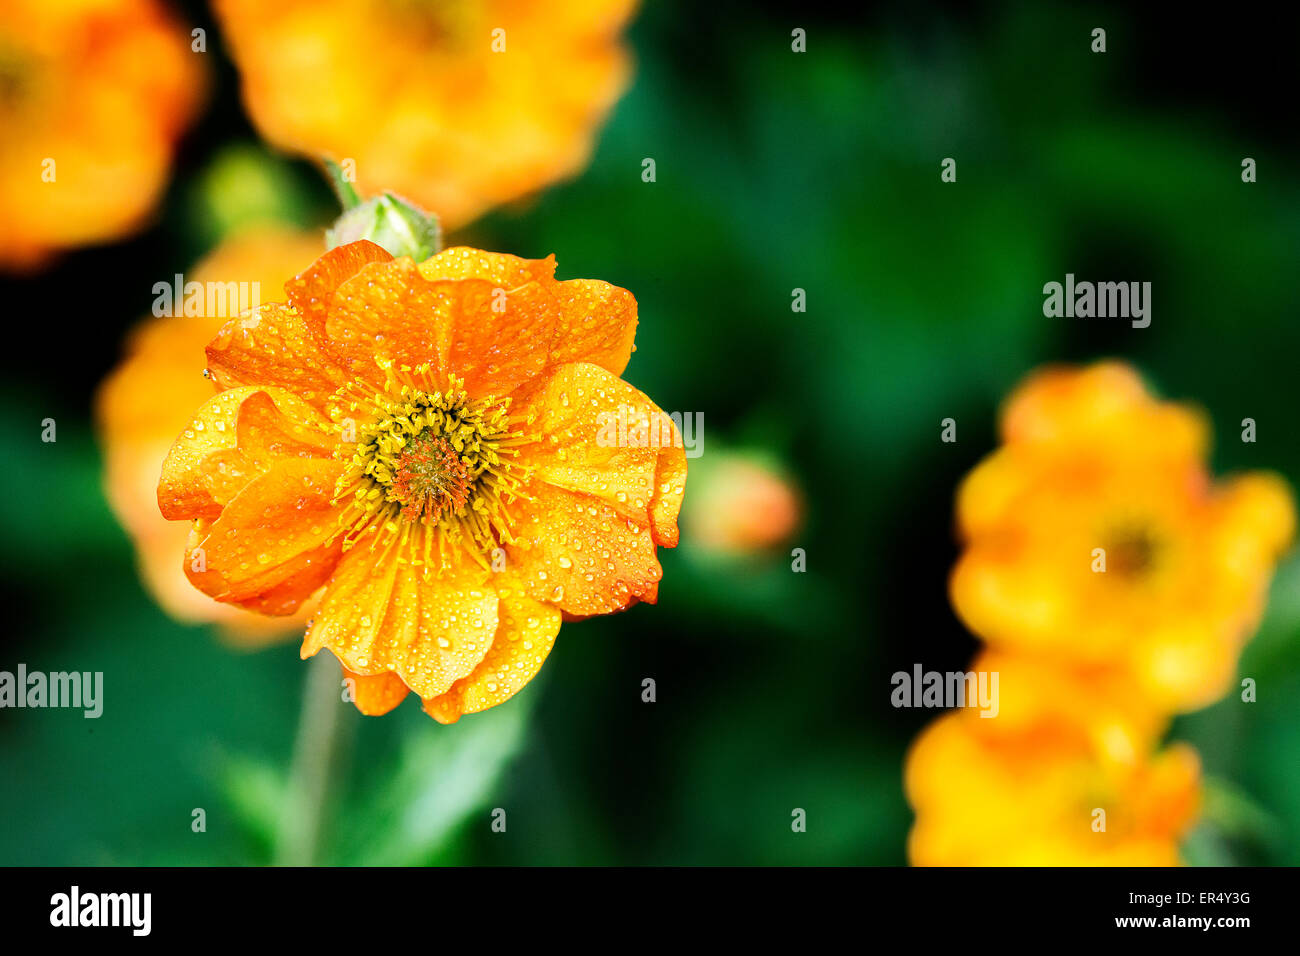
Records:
x=389, y=221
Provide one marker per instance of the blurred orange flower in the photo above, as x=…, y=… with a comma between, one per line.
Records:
x=150, y=397
x=457, y=106
x=1096, y=536
x=93, y=96
x=992, y=795
x=741, y=504
x=425, y=442
x=1095, y=704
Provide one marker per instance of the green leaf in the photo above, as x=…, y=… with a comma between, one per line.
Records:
x=254, y=791
x=442, y=776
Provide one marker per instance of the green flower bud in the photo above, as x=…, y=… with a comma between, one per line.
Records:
x=401, y=227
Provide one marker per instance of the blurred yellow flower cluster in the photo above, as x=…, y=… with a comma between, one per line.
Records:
x=1114, y=583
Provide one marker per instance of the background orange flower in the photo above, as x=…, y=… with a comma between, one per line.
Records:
x=150, y=397
x=986, y=797
x=1095, y=534
x=456, y=106
x=93, y=96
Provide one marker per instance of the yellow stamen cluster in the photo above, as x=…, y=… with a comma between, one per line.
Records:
x=432, y=468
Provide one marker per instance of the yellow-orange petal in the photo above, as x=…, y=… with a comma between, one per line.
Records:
x=1057, y=401
x=377, y=695
x=1257, y=514
x=666, y=501
x=590, y=424
x=388, y=309
x=578, y=553
x=1170, y=799
x=510, y=318
x=498, y=268
x=1019, y=603
x=1099, y=705
x=596, y=324
x=492, y=321
x=310, y=291
x=270, y=548
x=499, y=336
x=234, y=437
x=993, y=488
x=525, y=635
x=1069, y=409
x=1186, y=661
x=431, y=627
x=272, y=346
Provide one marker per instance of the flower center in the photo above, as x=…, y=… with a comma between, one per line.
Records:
x=429, y=479
x=443, y=24
x=1132, y=551
x=15, y=76
x=431, y=466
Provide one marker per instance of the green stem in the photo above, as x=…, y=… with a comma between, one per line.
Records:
x=316, y=758
x=346, y=192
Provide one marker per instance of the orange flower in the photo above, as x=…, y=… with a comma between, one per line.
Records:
x=1094, y=704
x=1021, y=786
x=987, y=796
x=93, y=95
x=457, y=106
x=426, y=442
x=146, y=401
x=1095, y=536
